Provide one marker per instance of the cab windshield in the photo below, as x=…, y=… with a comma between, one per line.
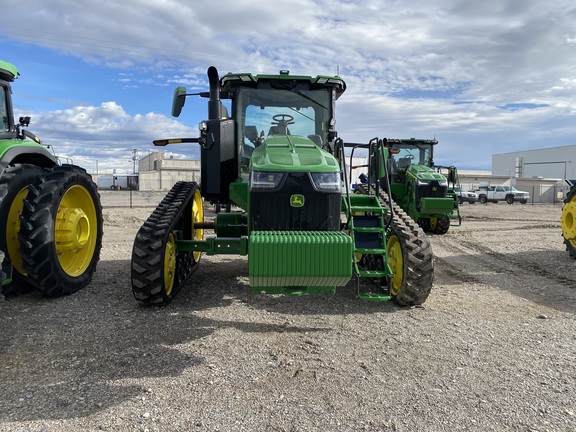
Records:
x=410, y=154
x=267, y=112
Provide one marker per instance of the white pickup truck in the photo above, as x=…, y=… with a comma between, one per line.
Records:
x=502, y=193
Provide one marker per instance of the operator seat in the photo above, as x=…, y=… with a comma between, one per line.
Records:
x=275, y=130
x=403, y=163
x=251, y=132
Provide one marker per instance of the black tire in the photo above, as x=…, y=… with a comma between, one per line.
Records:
x=523, y=202
x=61, y=231
x=510, y=199
x=471, y=202
x=14, y=185
x=158, y=270
x=417, y=259
x=482, y=199
x=440, y=225
x=460, y=200
x=2, y=274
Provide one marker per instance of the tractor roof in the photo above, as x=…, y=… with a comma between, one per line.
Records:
x=8, y=71
x=411, y=141
x=246, y=79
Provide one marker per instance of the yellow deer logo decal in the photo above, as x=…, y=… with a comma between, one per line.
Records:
x=297, y=200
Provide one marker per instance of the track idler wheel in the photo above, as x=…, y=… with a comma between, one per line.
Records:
x=61, y=231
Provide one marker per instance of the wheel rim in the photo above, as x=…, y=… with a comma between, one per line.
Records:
x=568, y=222
x=395, y=261
x=197, y=216
x=433, y=223
x=12, y=229
x=75, y=230
x=169, y=264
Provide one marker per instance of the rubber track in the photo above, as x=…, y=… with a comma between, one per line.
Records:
x=417, y=254
x=149, y=245
x=442, y=226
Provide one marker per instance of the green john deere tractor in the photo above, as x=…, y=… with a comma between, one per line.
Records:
x=568, y=219
x=419, y=187
x=50, y=214
x=276, y=156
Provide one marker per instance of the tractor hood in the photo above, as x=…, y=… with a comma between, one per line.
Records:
x=292, y=153
x=424, y=173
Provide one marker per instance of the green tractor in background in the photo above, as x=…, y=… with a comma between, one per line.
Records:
x=50, y=213
x=278, y=159
x=419, y=187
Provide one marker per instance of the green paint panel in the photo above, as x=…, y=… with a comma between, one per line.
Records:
x=299, y=262
x=436, y=205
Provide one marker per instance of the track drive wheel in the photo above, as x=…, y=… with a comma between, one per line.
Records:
x=439, y=225
x=158, y=269
x=568, y=222
x=14, y=183
x=61, y=231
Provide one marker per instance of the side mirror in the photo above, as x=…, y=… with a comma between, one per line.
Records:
x=178, y=100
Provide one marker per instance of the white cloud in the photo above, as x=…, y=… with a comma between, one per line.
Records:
x=108, y=134
x=416, y=68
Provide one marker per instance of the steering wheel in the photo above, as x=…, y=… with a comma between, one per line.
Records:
x=283, y=118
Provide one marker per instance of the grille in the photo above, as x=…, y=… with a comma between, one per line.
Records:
x=432, y=190
x=271, y=210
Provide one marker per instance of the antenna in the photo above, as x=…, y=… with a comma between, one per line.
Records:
x=337, y=70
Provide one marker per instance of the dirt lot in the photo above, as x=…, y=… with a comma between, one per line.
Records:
x=492, y=349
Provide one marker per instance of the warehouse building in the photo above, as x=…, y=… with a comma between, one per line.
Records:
x=155, y=172
x=552, y=162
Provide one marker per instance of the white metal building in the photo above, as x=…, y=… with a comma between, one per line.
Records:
x=551, y=163
x=157, y=173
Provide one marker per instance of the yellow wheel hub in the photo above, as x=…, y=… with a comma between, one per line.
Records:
x=396, y=262
x=12, y=229
x=433, y=223
x=568, y=221
x=197, y=216
x=169, y=264
x=75, y=230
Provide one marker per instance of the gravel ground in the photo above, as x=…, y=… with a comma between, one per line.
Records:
x=492, y=349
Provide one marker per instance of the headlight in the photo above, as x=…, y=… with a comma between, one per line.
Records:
x=326, y=182
x=423, y=182
x=265, y=179
x=443, y=183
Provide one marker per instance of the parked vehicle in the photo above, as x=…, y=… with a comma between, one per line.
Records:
x=465, y=196
x=50, y=213
x=502, y=193
x=302, y=229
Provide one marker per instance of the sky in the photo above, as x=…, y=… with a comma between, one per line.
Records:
x=483, y=78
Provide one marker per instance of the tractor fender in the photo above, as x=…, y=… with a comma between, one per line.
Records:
x=34, y=155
